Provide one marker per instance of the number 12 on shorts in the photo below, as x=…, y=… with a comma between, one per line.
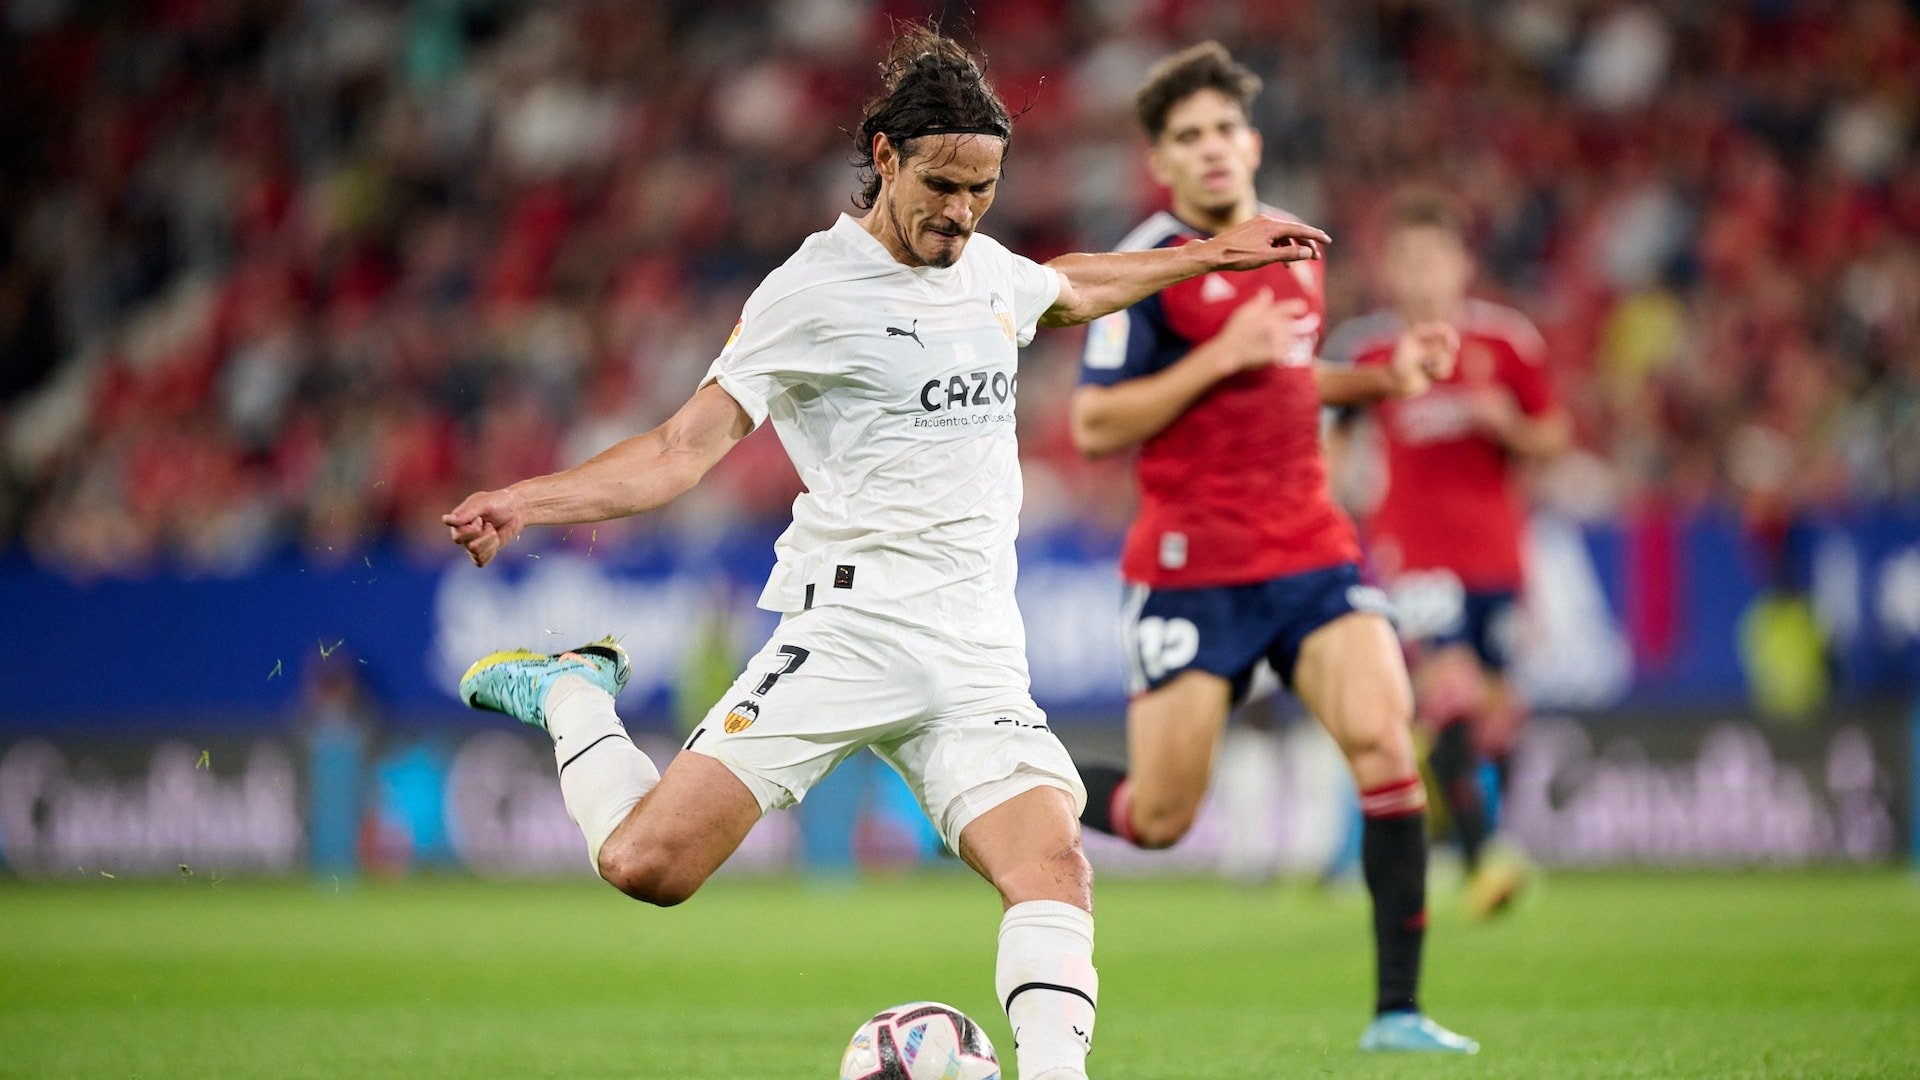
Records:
x=1165, y=645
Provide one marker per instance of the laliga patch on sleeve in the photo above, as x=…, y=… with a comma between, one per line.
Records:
x=1107, y=341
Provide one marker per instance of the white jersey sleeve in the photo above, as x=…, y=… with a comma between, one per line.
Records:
x=775, y=347
x=1035, y=288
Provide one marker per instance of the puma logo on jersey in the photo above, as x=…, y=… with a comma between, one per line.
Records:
x=914, y=333
x=1214, y=289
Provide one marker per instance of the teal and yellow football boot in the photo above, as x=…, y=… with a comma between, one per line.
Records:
x=516, y=681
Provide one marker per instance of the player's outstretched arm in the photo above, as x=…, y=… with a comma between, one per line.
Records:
x=1093, y=285
x=1107, y=419
x=1501, y=417
x=1424, y=352
x=633, y=476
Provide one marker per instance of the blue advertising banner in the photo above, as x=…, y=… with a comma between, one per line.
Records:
x=1616, y=615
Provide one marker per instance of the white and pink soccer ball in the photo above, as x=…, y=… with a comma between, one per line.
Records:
x=923, y=1040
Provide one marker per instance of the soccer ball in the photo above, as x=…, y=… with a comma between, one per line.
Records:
x=924, y=1040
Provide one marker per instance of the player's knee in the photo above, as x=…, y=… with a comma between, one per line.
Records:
x=1066, y=876
x=1451, y=688
x=1161, y=824
x=652, y=877
x=1380, y=743
x=1075, y=875
x=1498, y=728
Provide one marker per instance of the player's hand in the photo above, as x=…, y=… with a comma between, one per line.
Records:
x=485, y=522
x=1424, y=353
x=1264, y=240
x=1259, y=332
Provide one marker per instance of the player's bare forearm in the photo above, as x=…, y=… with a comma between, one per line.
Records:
x=1341, y=385
x=638, y=474
x=1538, y=436
x=1094, y=285
x=1109, y=419
x=631, y=477
x=642, y=473
x=1424, y=352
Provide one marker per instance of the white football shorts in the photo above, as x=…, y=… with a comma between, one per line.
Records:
x=956, y=719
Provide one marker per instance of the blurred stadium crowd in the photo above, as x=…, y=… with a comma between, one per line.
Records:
x=280, y=274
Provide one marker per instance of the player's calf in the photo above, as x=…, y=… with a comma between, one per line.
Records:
x=1045, y=980
x=1029, y=848
x=649, y=876
x=1449, y=686
x=570, y=697
x=1117, y=806
x=669, y=843
x=1456, y=771
x=1107, y=801
x=1173, y=734
x=1160, y=818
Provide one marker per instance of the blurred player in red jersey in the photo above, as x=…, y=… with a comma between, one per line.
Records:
x=1238, y=555
x=1447, y=533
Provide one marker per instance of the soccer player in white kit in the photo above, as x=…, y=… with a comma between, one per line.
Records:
x=884, y=353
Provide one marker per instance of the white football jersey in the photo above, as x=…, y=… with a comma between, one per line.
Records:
x=892, y=389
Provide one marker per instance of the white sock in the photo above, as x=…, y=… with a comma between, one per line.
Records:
x=602, y=774
x=1046, y=982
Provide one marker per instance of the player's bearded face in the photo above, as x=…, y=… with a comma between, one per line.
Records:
x=935, y=198
x=1207, y=153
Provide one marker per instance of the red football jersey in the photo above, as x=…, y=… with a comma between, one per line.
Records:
x=1234, y=490
x=1451, y=502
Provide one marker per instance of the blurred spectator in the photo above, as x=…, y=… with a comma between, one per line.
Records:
x=304, y=274
x=338, y=720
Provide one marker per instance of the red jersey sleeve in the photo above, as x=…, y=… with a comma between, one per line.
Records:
x=1527, y=375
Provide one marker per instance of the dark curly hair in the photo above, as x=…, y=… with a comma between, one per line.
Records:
x=1206, y=66
x=930, y=85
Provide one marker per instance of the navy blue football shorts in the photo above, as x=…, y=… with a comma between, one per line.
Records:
x=1437, y=611
x=1227, y=630
x=1488, y=621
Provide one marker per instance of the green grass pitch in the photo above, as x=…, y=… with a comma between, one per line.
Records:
x=1614, y=975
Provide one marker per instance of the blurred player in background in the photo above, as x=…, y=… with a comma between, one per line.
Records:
x=884, y=353
x=1239, y=555
x=1447, y=534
